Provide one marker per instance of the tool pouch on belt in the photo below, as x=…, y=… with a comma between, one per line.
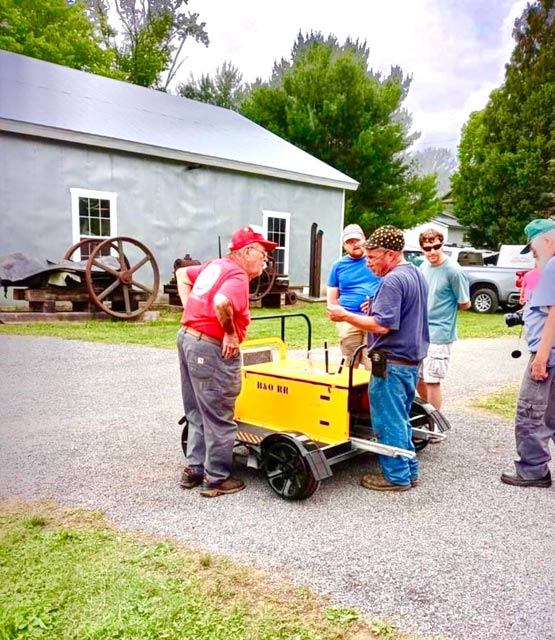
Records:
x=378, y=358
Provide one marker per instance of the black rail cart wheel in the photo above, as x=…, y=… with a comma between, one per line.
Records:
x=287, y=471
x=419, y=418
x=419, y=443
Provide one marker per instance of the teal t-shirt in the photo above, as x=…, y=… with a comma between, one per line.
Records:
x=447, y=288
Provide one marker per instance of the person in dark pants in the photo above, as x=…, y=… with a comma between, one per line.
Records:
x=215, y=298
x=535, y=411
x=398, y=328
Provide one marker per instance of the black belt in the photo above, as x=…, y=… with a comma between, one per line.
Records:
x=403, y=361
x=201, y=336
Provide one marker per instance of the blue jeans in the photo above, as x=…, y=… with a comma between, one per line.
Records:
x=210, y=386
x=391, y=399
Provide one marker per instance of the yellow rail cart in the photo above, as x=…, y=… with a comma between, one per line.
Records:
x=298, y=418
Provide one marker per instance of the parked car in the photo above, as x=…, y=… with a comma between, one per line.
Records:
x=490, y=286
x=414, y=255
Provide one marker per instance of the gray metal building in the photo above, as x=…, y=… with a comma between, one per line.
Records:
x=82, y=155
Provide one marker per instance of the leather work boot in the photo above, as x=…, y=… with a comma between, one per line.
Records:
x=379, y=483
x=222, y=487
x=517, y=481
x=189, y=480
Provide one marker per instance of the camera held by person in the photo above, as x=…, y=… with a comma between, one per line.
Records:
x=514, y=319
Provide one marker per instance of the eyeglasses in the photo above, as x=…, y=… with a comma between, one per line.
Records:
x=261, y=251
x=435, y=247
x=374, y=258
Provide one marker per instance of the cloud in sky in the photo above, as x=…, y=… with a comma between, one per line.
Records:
x=455, y=51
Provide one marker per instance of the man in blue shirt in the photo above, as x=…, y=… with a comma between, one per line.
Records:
x=351, y=284
x=535, y=411
x=398, y=329
x=448, y=292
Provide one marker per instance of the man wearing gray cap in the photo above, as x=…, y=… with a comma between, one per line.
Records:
x=398, y=335
x=535, y=411
x=352, y=285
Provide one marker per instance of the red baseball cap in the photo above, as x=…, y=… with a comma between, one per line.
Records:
x=248, y=235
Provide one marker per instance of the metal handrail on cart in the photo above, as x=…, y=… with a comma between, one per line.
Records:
x=282, y=317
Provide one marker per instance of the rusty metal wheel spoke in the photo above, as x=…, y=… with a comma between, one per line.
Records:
x=139, y=265
x=141, y=286
x=106, y=268
x=123, y=302
x=126, y=298
x=121, y=255
x=108, y=290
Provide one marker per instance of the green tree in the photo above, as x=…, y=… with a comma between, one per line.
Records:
x=55, y=31
x=226, y=89
x=507, y=152
x=148, y=38
x=327, y=101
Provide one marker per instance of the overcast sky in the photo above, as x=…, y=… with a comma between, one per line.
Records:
x=455, y=49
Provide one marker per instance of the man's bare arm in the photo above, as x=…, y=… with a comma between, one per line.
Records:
x=332, y=295
x=538, y=370
x=184, y=285
x=224, y=313
x=366, y=323
x=463, y=306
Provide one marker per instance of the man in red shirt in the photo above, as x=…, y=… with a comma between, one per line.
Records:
x=216, y=316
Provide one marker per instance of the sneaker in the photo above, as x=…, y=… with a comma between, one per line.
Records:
x=189, y=480
x=517, y=481
x=221, y=487
x=379, y=483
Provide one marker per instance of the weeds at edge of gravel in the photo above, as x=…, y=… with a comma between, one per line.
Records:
x=501, y=403
x=68, y=573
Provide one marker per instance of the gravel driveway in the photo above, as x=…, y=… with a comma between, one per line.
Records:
x=462, y=556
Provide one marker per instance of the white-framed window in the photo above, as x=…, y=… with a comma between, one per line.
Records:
x=276, y=226
x=93, y=215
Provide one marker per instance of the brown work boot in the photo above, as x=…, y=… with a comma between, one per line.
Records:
x=379, y=483
x=221, y=487
x=518, y=481
x=414, y=482
x=189, y=480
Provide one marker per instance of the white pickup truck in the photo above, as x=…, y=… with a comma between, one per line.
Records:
x=491, y=286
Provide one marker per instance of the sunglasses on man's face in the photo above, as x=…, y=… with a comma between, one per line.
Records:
x=435, y=247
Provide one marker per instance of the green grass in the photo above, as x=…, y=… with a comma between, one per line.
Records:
x=502, y=403
x=66, y=575
x=162, y=333
x=483, y=325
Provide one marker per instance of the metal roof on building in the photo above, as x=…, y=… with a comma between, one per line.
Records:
x=44, y=99
x=449, y=220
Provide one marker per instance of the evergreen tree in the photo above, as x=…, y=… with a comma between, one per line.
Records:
x=326, y=100
x=226, y=89
x=507, y=152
